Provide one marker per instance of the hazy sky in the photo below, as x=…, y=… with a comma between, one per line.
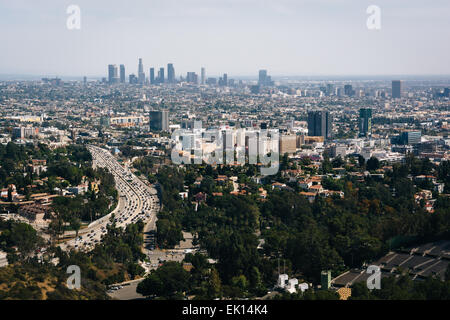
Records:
x=286, y=37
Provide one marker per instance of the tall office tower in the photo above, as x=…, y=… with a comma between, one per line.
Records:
x=161, y=75
x=122, y=73
x=348, y=90
x=365, y=122
x=189, y=76
x=203, y=76
x=330, y=90
x=159, y=120
x=262, y=77
x=192, y=77
x=158, y=77
x=396, y=89
x=112, y=74
x=410, y=137
x=84, y=80
x=132, y=79
x=319, y=124
x=140, y=66
x=170, y=73
x=141, y=74
x=152, y=76
x=141, y=78
x=225, y=79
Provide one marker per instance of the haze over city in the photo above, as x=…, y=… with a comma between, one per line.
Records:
x=325, y=37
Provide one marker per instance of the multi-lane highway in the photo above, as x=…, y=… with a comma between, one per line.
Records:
x=137, y=201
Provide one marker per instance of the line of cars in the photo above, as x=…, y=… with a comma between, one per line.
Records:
x=137, y=201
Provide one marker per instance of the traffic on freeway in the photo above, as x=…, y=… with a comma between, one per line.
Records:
x=137, y=201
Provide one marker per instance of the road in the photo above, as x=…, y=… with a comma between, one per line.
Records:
x=127, y=291
x=137, y=201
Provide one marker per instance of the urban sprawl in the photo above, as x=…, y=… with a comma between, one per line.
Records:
x=89, y=178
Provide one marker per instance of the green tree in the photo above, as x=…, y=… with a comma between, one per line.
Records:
x=215, y=284
x=166, y=281
x=75, y=224
x=373, y=164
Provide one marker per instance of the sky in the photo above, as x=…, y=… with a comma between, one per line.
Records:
x=238, y=37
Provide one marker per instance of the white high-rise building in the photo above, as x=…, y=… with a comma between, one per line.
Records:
x=141, y=74
x=203, y=76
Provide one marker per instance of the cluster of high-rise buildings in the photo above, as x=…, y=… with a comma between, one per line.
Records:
x=310, y=117
x=153, y=78
x=320, y=123
x=24, y=132
x=191, y=77
x=396, y=91
x=113, y=75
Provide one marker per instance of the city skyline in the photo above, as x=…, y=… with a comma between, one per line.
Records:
x=261, y=77
x=301, y=38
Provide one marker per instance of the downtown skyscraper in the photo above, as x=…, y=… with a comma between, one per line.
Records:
x=223, y=81
x=159, y=120
x=192, y=77
x=161, y=75
x=122, y=73
x=112, y=74
x=365, y=122
x=264, y=79
x=396, y=89
x=141, y=74
x=319, y=124
x=203, y=76
x=348, y=90
x=170, y=73
x=152, y=76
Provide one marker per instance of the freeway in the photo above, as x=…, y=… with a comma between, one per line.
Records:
x=137, y=201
